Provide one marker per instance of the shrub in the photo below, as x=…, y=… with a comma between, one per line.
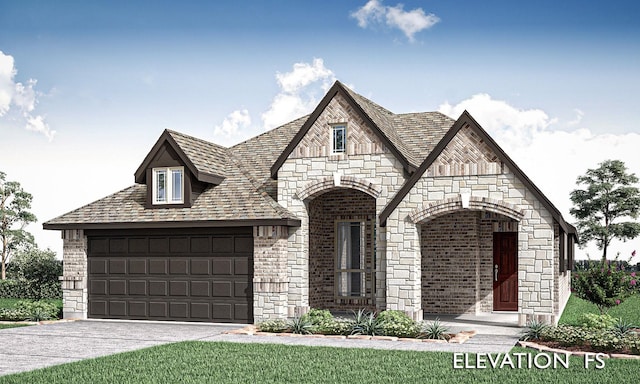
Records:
x=35, y=264
x=434, y=330
x=38, y=310
x=622, y=327
x=276, y=326
x=533, y=331
x=13, y=314
x=397, y=323
x=366, y=323
x=318, y=316
x=603, y=284
x=301, y=325
x=593, y=320
x=335, y=327
x=30, y=289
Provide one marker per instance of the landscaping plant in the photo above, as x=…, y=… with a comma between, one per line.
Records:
x=604, y=285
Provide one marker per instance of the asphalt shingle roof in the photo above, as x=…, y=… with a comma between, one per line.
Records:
x=247, y=191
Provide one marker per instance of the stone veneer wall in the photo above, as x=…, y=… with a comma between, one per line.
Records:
x=324, y=211
x=535, y=240
x=74, y=275
x=270, y=279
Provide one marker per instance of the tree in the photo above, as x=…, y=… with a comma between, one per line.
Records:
x=14, y=216
x=609, y=197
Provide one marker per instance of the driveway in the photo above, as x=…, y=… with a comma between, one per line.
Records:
x=27, y=348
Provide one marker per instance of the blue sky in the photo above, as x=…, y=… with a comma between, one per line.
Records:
x=553, y=82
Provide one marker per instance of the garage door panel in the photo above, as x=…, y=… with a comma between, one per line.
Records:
x=98, y=287
x=117, y=287
x=222, y=311
x=98, y=246
x=241, y=289
x=139, y=245
x=158, y=309
x=138, y=287
x=200, y=266
x=223, y=266
x=222, y=244
x=158, y=288
x=178, y=267
x=138, y=267
x=117, y=266
x=200, y=288
x=158, y=244
x=171, y=276
x=138, y=309
x=179, y=245
x=98, y=308
x=179, y=310
x=98, y=266
x=158, y=266
x=200, y=244
x=118, y=245
x=200, y=310
x=221, y=289
x=178, y=288
x=241, y=266
x=117, y=308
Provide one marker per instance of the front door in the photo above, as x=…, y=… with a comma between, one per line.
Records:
x=505, y=271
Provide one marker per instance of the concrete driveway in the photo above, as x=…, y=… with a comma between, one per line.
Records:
x=27, y=348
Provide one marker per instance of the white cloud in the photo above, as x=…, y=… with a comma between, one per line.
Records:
x=552, y=158
x=299, y=92
x=233, y=123
x=409, y=22
x=578, y=118
x=21, y=96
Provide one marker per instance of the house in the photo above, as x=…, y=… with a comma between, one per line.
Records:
x=350, y=207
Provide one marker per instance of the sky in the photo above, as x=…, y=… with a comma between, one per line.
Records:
x=86, y=88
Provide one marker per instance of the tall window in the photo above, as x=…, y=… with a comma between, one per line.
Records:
x=168, y=185
x=350, y=262
x=339, y=141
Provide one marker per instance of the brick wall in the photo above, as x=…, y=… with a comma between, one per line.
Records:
x=324, y=211
x=450, y=263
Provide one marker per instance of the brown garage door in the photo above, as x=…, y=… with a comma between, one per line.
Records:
x=196, y=275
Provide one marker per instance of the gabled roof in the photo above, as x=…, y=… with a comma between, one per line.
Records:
x=464, y=120
x=379, y=119
x=206, y=161
x=235, y=202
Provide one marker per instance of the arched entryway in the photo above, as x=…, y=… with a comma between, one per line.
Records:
x=342, y=249
x=460, y=249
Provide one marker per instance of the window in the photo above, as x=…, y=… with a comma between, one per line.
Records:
x=168, y=185
x=350, y=262
x=339, y=142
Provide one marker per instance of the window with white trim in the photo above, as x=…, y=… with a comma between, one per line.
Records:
x=339, y=138
x=168, y=185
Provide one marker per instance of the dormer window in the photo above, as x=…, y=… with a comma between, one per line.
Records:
x=168, y=185
x=339, y=138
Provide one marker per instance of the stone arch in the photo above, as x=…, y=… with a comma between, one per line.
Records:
x=438, y=208
x=318, y=187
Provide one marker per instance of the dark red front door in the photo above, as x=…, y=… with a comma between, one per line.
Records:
x=505, y=271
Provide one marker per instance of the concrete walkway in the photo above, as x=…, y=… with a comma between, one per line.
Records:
x=27, y=348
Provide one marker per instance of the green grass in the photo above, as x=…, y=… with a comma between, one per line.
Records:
x=627, y=310
x=11, y=303
x=5, y=326
x=197, y=362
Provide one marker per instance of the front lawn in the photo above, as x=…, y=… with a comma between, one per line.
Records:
x=197, y=362
x=627, y=310
x=5, y=326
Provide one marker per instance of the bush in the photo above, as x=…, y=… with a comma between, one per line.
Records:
x=26, y=289
x=397, y=323
x=604, y=285
x=35, y=264
x=275, y=326
x=31, y=311
x=593, y=320
x=318, y=316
